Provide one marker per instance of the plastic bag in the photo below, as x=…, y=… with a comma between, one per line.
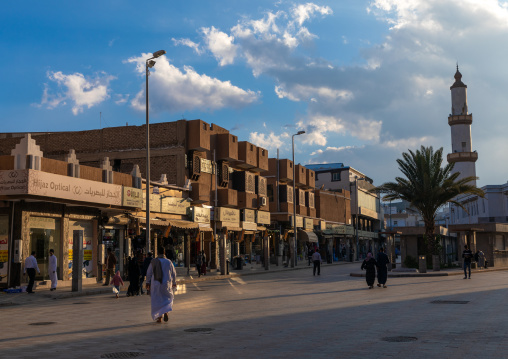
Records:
x=116, y=291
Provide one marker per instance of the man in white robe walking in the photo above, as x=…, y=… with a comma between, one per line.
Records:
x=161, y=281
x=52, y=269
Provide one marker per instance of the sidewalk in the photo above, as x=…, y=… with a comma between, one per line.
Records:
x=64, y=290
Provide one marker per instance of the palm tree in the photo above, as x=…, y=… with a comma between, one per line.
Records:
x=428, y=187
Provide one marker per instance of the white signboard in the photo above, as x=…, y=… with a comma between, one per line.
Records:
x=46, y=184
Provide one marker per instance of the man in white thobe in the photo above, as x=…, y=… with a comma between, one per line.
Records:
x=52, y=269
x=161, y=281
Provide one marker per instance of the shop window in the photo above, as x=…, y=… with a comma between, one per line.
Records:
x=87, y=228
x=4, y=248
x=44, y=235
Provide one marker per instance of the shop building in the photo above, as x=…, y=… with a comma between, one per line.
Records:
x=47, y=204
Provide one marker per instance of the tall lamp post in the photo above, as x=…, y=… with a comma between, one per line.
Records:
x=357, y=216
x=293, y=259
x=149, y=63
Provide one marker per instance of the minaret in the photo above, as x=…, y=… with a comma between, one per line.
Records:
x=460, y=122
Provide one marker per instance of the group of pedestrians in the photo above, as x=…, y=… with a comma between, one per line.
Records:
x=380, y=263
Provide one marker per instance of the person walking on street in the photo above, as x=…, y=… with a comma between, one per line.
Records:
x=161, y=281
x=110, y=265
x=133, y=276
x=310, y=252
x=316, y=259
x=198, y=263
x=382, y=270
x=369, y=264
x=117, y=281
x=481, y=259
x=52, y=269
x=30, y=268
x=203, y=263
x=146, y=264
x=467, y=255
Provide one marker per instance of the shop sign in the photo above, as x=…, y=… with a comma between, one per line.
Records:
x=308, y=224
x=263, y=217
x=200, y=215
x=299, y=221
x=46, y=184
x=227, y=215
x=206, y=166
x=350, y=230
x=249, y=226
x=322, y=225
x=132, y=197
x=174, y=205
x=155, y=202
x=43, y=223
x=249, y=215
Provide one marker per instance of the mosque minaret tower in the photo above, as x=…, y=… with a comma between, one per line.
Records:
x=460, y=123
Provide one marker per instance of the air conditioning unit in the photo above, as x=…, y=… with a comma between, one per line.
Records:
x=263, y=201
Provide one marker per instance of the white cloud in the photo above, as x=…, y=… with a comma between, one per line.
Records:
x=78, y=89
x=121, y=99
x=304, y=12
x=188, y=43
x=220, y=44
x=174, y=90
x=268, y=141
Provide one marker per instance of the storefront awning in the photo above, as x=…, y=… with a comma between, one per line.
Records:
x=261, y=228
x=205, y=229
x=249, y=232
x=308, y=236
x=234, y=229
x=182, y=224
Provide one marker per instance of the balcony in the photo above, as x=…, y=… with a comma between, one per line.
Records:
x=198, y=136
x=460, y=119
x=227, y=197
x=247, y=200
x=462, y=157
x=227, y=147
x=262, y=160
x=247, y=155
x=301, y=176
x=200, y=193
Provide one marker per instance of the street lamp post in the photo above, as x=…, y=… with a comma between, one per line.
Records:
x=149, y=63
x=293, y=260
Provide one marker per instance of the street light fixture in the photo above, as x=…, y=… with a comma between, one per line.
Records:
x=293, y=259
x=149, y=64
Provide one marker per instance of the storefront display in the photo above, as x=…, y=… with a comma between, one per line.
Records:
x=44, y=235
x=87, y=228
x=4, y=248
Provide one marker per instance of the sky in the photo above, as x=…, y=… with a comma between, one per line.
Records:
x=366, y=80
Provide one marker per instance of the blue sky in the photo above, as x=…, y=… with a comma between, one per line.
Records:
x=366, y=80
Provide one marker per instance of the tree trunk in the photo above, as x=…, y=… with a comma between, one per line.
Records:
x=429, y=233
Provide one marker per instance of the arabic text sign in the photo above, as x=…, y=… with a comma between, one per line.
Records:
x=132, y=197
x=46, y=184
x=174, y=205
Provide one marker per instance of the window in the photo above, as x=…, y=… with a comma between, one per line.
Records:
x=395, y=223
x=262, y=152
x=234, y=139
x=204, y=126
x=251, y=147
x=336, y=176
x=270, y=192
x=117, y=165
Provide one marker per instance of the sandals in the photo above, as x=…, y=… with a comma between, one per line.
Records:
x=166, y=318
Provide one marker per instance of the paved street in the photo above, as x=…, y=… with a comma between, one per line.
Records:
x=277, y=315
